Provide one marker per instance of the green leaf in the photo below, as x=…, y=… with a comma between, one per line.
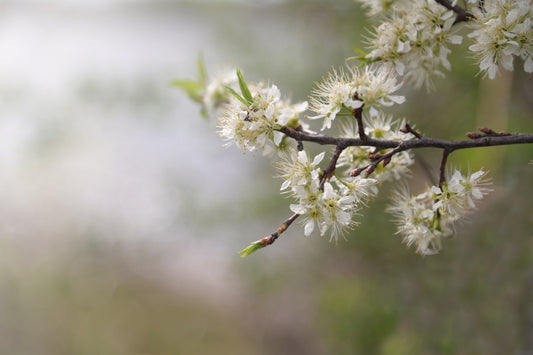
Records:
x=360, y=51
x=244, y=88
x=251, y=248
x=204, y=112
x=239, y=97
x=191, y=87
x=201, y=71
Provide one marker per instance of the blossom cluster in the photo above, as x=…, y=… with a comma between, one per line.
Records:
x=502, y=30
x=328, y=208
x=253, y=122
x=425, y=219
x=215, y=94
x=373, y=86
x=254, y=119
x=415, y=36
x=415, y=40
x=376, y=7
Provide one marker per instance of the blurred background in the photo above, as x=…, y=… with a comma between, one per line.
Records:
x=121, y=213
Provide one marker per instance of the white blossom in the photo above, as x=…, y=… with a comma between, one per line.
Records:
x=327, y=210
x=216, y=93
x=425, y=219
x=502, y=31
x=256, y=126
x=297, y=169
x=415, y=40
x=331, y=95
x=376, y=7
x=372, y=86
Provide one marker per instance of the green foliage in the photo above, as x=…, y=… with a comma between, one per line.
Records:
x=195, y=88
x=251, y=249
x=356, y=317
x=244, y=88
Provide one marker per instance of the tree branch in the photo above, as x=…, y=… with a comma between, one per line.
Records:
x=462, y=14
x=442, y=178
x=487, y=138
x=483, y=140
x=269, y=239
x=330, y=170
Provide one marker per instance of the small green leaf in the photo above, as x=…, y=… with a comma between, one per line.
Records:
x=244, y=88
x=239, y=97
x=201, y=71
x=191, y=88
x=360, y=51
x=204, y=112
x=251, y=248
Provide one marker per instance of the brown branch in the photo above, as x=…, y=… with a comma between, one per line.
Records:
x=330, y=170
x=486, y=139
x=408, y=129
x=376, y=159
x=462, y=14
x=442, y=177
x=423, y=142
x=269, y=239
x=358, y=114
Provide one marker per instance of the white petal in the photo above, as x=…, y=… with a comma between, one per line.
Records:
x=400, y=67
x=302, y=157
x=436, y=190
x=278, y=136
x=455, y=39
x=318, y=159
x=397, y=99
x=285, y=184
x=353, y=103
x=507, y=62
x=528, y=65
x=477, y=175
x=477, y=193
x=309, y=228
x=297, y=208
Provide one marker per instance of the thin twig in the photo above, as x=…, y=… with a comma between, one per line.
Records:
x=462, y=14
x=423, y=142
x=408, y=129
x=358, y=114
x=330, y=170
x=442, y=177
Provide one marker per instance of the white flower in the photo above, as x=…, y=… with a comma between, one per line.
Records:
x=372, y=86
x=329, y=210
x=416, y=222
x=425, y=219
x=297, y=170
x=257, y=125
x=215, y=93
x=375, y=86
x=414, y=40
x=376, y=7
x=501, y=32
x=359, y=187
x=463, y=190
x=331, y=95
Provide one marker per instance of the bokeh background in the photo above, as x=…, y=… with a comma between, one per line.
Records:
x=121, y=214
